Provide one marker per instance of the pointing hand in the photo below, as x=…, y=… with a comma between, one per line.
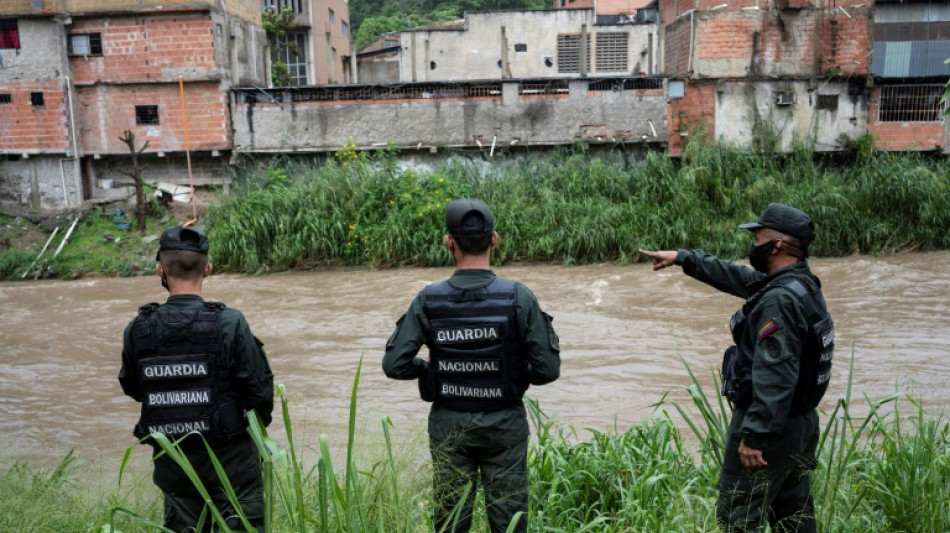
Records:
x=661, y=259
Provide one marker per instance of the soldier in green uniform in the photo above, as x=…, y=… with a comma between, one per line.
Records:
x=488, y=340
x=774, y=376
x=195, y=366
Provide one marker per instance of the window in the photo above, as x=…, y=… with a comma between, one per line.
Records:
x=9, y=34
x=275, y=6
x=84, y=44
x=37, y=99
x=569, y=53
x=390, y=43
x=292, y=51
x=332, y=17
x=828, y=101
x=146, y=114
x=911, y=103
x=6, y=99
x=333, y=55
x=345, y=28
x=521, y=47
x=612, y=51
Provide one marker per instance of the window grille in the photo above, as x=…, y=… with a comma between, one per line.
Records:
x=275, y=6
x=84, y=44
x=612, y=51
x=146, y=114
x=911, y=103
x=625, y=84
x=9, y=34
x=569, y=53
x=545, y=87
x=6, y=99
x=828, y=101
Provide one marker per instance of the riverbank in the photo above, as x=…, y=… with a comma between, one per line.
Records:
x=876, y=474
x=368, y=210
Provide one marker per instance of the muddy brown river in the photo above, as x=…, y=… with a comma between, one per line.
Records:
x=623, y=330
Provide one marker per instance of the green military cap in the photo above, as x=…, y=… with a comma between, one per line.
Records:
x=183, y=238
x=786, y=219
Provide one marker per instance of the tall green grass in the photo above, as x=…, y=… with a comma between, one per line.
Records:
x=887, y=470
x=571, y=207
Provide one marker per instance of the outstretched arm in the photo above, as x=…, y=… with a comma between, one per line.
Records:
x=661, y=258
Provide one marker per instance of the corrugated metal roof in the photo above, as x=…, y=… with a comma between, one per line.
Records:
x=910, y=59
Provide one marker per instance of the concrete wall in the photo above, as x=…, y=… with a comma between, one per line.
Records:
x=637, y=115
x=475, y=51
x=38, y=182
x=206, y=169
x=740, y=104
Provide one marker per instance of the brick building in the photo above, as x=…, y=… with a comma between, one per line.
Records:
x=774, y=74
x=77, y=73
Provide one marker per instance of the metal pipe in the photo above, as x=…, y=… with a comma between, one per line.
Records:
x=72, y=127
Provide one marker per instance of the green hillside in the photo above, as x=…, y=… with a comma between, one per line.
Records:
x=372, y=18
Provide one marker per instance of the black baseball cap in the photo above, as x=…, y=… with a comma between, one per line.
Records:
x=468, y=217
x=183, y=238
x=786, y=219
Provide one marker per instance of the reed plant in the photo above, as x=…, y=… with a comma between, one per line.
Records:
x=885, y=471
x=572, y=207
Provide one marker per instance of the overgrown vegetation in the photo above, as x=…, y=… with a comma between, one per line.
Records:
x=360, y=209
x=886, y=471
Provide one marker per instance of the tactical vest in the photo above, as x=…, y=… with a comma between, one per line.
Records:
x=815, y=362
x=186, y=383
x=476, y=360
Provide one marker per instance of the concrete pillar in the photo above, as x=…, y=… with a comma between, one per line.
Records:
x=34, y=186
x=504, y=55
x=412, y=54
x=583, y=51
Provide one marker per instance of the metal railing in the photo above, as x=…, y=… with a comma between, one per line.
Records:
x=911, y=103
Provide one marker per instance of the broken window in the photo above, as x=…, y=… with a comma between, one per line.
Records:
x=911, y=103
x=37, y=99
x=612, y=51
x=569, y=53
x=6, y=99
x=146, y=114
x=9, y=34
x=84, y=44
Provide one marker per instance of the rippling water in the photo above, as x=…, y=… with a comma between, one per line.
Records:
x=623, y=330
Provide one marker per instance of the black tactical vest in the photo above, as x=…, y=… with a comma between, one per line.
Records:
x=815, y=364
x=186, y=383
x=476, y=359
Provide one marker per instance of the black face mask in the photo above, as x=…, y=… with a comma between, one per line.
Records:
x=759, y=255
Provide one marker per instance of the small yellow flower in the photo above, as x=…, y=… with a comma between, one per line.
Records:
x=441, y=181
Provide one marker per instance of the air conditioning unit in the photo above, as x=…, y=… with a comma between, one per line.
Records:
x=784, y=98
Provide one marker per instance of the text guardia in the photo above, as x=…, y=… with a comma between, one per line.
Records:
x=182, y=370
x=470, y=334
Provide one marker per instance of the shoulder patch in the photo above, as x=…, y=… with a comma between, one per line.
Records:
x=767, y=329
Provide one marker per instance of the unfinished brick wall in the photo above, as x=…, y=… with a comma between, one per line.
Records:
x=147, y=48
x=693, y=114
x=676, y=45
x=30, y=128
x=902, y=135
x=106, y=111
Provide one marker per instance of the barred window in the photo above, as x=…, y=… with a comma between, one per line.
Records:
x=911, y=103
x=569, y=53
x=828, y=101
x=146, y=114
x=612, y=48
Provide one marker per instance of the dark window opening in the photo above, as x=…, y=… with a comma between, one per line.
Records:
x=84, y=44
x=521, y=47
x=9, y=34
x=431, y=65
x=499, y=63
x=828, y=101
x=549, y=62
x=146, y=114
x=6, y=99
x=36, y=99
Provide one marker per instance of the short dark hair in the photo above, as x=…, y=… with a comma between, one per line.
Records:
x=472, y=244
x=183, y=264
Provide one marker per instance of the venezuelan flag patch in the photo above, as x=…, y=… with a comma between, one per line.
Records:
x=769, y=328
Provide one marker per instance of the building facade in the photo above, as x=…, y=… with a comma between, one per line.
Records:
x=78, y=73
x=317, y=49
x=514, y=44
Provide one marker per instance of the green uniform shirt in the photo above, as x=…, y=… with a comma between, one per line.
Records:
x=776, y=326
x=251, y=373
x=505, y=426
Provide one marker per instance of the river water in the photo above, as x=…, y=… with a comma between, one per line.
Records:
x=623, y=330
